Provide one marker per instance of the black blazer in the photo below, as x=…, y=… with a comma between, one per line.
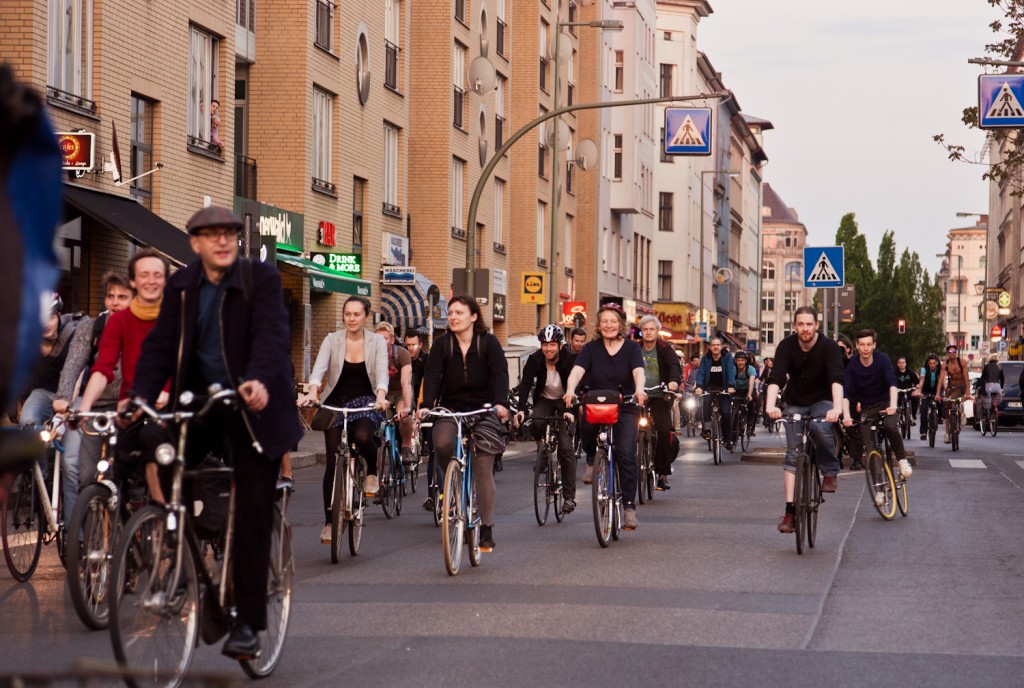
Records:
x=535, y=374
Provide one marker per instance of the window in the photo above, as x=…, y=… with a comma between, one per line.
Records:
x=617, y=157
x=570, y=87
x=954, y=314
x=392, y=40
x=324, y=24
x=542, y=149
x=458, y=85
x=499, y=215
x=323, y=135
x=202, y=85
x=69, y=53
x=460, y=10
x=619, y=71
x=665, y=200
x=499, y=112
x=543, y=73
x=604, y=249
x=666, y=80
x=245, y=14
x=457, y=181
x=501, y=26
x=568, y=233
x=975, y=340
x=794, y=272
x=569, y=166
x=539, y=245
x=768, y=301
x=768, y=271
x=662, y=155
x=790, y=301
x=768, y=332
x=390, y=205
x=664, y=280
x=142, y=150
x=358, y=205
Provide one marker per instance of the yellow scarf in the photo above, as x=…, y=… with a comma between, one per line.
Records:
x=144, y=312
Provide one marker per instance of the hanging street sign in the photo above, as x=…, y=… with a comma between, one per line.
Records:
x=687, y=131
x=1000, y=98
x=824, y=266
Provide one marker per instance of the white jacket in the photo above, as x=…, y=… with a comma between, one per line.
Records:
x=331, y=358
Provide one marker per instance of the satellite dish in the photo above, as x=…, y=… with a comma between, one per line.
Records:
x=564, y=47
x=586, y=154
x=564, y=134
x=481, y=75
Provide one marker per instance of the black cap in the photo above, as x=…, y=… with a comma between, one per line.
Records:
x=213, y=216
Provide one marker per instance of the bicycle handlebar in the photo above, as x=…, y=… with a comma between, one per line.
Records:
x=227, y=396
x=442, y=412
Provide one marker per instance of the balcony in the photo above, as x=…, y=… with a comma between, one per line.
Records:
x=391, y=65
x=245, y=177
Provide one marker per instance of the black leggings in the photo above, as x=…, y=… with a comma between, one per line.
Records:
x=361, y=433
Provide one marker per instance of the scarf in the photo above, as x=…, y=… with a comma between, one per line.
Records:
x=144, y=312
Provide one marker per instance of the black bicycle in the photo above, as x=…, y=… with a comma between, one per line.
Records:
x=807, y=494
x=743, y=420
x=547, y=485
x=931, y=419
x=714, y=426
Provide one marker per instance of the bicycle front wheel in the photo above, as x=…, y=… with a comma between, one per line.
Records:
x=342, y=489
x=716, y=440
x=453, y=521
x=92, y=535
x=388, y=490
x=881, y=488
x=933, y=426
x=473, y=529
x=900, y=484
x=355, y=528
x=800, y=499
x=643, y=459
x=279, y=601
x=22, y=530
x=154, y=609
x=542, y=491
x=813, y=477
x=602, y=498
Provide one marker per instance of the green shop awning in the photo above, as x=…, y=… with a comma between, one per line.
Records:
x=321, y=280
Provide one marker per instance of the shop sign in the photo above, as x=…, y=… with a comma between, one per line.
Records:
x=499, y=308
x=398, y=274
x=571, y=309
x=396, y=249
x=326, y=235
x=533, y=288
x=342, y=263
x=78, y=150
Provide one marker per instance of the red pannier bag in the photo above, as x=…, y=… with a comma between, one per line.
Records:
x=601, y=407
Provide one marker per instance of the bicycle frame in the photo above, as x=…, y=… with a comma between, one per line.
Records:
x=50, y=502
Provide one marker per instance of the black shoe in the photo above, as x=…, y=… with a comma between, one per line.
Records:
x=705, y=434
x=486, y=539
x=428, y=504
x=569, y=505
x=663, y=484
x=498, y=465
x=243, y=643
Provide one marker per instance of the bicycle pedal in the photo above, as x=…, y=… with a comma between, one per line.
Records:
x=486, y=549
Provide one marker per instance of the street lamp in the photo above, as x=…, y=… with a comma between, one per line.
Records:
x=700, y=311
x=604, y=25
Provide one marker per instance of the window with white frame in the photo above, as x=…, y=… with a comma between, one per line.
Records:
x=543, y=46
x=458, y=85
x=499, y=112
x=202, y=88
x=768, y=301
x=619, y=71
x=665, y=211
x=245, y=14
x=604, y=249
x=392, y=41
x=567, y=231
x=69, y=52
x=664, y=280
x=617, y=157
x=768, y=271
x=501, y=27
x=768, y=332
x=499, y=214
x=323, y=137
x=539, y=244
x=390, y=205
x=457, y=180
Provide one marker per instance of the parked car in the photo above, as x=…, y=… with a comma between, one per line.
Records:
x=970, y=418
x=1010, y=410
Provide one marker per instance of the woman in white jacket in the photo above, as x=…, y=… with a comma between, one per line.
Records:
x=356, y=365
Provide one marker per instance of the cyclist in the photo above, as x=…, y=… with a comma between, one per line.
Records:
x=355, y=362
x=871, y=379
x=952, y=384
x=906, y=378
x=928, y=386
x=224, y=322
x=746, y=383
x=546, y=372
x=990, y=384
x=614, y=362
x=810, y=367
x=466, y=370
x=661, y=366
x=418, y=360
x=577, y=338
x=400, y=389
x=717, y=373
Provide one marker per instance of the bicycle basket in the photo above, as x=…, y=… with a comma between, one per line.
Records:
x=601, y=407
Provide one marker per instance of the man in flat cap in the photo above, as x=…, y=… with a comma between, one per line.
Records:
x=223, y=321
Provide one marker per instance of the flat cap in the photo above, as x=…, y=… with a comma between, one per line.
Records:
x=213, y=216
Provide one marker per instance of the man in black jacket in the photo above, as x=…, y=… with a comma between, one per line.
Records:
x=223, y=321
x=546, y=372
x=661, y=365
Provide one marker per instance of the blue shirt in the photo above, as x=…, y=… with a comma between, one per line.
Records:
x=611, y=372
x=869, y=384
x=208, y=349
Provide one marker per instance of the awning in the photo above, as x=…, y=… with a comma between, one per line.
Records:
x=129, y=217
x=406, y=305
x=732, y=341
x=322, y=280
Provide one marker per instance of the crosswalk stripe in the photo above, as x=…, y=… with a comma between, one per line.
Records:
x=967, y=463
x=1021, y=464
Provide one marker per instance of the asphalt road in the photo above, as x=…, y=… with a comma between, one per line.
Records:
x=704, y=593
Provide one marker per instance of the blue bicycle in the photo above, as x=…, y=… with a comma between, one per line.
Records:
x=390, y=469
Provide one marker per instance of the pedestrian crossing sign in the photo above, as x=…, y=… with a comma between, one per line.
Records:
x=1001, y=101
x=687, y=131
x=824, y=266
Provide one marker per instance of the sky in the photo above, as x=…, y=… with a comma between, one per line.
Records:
x=856, y=91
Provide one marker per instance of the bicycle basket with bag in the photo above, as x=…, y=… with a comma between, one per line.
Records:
x=601, y=407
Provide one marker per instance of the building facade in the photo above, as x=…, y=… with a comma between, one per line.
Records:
x=962, y=278
x=782, y=270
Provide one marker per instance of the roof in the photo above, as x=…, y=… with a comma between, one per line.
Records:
x=759, y=122
x=778, y=211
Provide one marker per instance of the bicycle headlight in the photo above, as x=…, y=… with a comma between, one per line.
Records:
x=103, y=466
x=165, y=454
x=691, y=403
x=643, y=421
x=44, y=435
x=186, y=397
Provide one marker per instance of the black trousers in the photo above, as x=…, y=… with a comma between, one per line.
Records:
x=661, y=413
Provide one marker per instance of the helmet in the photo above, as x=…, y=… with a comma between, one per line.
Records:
x=550, y=333
x=56, y=304
x=616, y=308
x=741, y=354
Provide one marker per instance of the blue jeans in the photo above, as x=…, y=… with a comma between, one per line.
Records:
x=38, y=409
x=625, y=454
x=821, y=435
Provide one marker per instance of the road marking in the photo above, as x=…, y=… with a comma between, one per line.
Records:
x=1021, y=464
x=967, y=463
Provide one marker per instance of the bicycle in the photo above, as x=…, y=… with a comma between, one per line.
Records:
x=390, y=469
x=903, y=415
x=100, y=514
x=547, y=486
x=953, y=421
x=931, y=419
x=29, y=521
x=348, y=501
x=647, y=443
x=886, y=484
x=807, y=494
x=433, y=500
x=170, y=588
x=601, y=408
x=714, y=438
x=459, y=518
x=988, y=415
x=690, y=413
x=742, y=422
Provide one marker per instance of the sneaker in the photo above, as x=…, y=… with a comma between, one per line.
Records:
x=370, y=486
x=588, y=475
x=325, y=534
x=913, y=422
x=705, y=434
x=905, y=470
x=408, y=456
x=285, y=483
x=629, y=520
x=428, y=504
x=663, y=483
x=856, y=466
x=879, y=498
x=569, y=505
x=945, y=438
x=486, y=539
x=499, y=466
x=829, y=483
x=787, y=523
x=924, y=436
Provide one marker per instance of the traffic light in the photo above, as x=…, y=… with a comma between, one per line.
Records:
x=901, y=326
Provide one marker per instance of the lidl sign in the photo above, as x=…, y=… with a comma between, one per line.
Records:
x=533, y=288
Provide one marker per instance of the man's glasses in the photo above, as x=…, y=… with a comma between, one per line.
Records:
x=217, y=233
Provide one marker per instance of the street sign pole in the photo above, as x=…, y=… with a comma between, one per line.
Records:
x=824, y=312
x=835, y=308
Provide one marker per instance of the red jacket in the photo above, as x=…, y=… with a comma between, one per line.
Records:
x=121, y=343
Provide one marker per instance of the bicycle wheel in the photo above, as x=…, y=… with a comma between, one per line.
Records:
x=602, y=498
x=341, y=489
x=745, y=429
x=649, y=479
x=954, y=429
x=642, y=464
x=813, y=500
x=355, y=528
x=400, y=481
x=154, y=606
x=800, y=503
x=279, y=601
x=557, y=499
x=716, y=439
x=994, y=422
x=412, y=473
x=881, y=489
x=438, y=506
x=900, y=485
x=23, y=526
x=542, y=491
x=933, y=426
x=92, y=536
x=388, y=489
x=983, y=421
x=473, y=530
x=453, y=522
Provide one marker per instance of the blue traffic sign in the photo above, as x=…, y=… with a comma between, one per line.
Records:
x=687, y=131
x=702, y=331
x=1000, y=98
x=823, y=266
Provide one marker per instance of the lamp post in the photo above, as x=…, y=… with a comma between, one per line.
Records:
x=700, y=306
x=604, y=25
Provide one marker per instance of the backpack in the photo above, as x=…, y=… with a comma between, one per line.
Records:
x=98, y=326
x=481, y=348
